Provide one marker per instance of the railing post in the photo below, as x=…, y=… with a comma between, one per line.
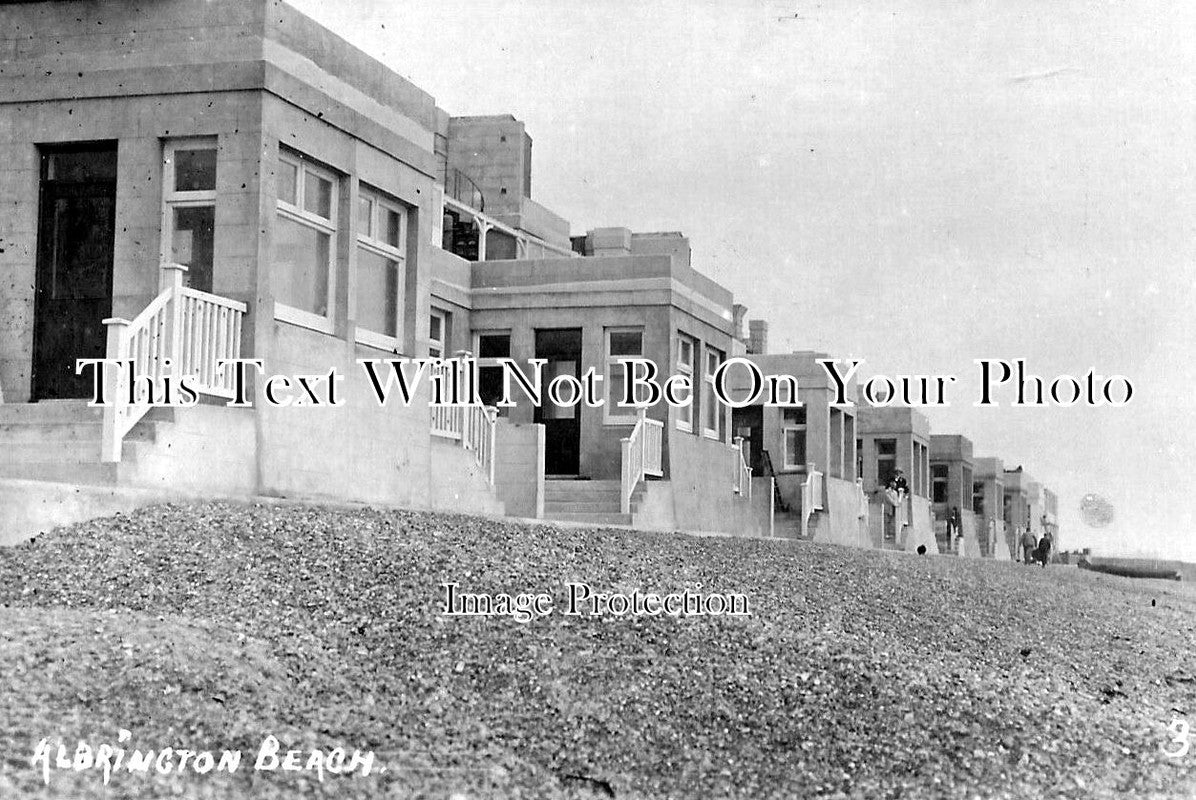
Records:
x=641, y=423
x=624, y=492
x=493, y=420
x=739, y=465
x=172, y=281
x=110, y=443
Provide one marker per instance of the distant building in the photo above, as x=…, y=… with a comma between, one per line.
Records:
x=893, y=438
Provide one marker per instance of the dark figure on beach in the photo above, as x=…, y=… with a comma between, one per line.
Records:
x=1029, y=546
x=1042, y=553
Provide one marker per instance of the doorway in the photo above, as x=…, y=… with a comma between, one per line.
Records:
x=561, y=348
x=73, y=278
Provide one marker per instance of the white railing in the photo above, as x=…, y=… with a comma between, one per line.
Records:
x=473, y=426
x=447, y=421
x=742, y=481
x=812, y=490
x=183, y=332
x=642, y=456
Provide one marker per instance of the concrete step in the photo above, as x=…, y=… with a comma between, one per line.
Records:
x=560, y=507
x=17, y=432
x=592, y=519
x=50, y=452
x=581, y=487
x=49, y=411
x=88, y=474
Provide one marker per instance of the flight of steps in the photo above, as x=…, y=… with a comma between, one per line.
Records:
x=59, y=441
x=594, y=502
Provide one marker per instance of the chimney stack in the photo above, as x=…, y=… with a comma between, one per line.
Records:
x=738, y=312
x=757, y=337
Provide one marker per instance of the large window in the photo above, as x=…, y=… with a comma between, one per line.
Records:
x=686, y=352
x=938, y=483
x=189, y=208
x=304, y=243
x=794, y=431
x=381, y=275
x=712, y=410
x=620, y=343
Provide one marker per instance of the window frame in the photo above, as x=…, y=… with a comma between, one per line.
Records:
x=943, y=480
x=295, y=212
x=380, y=247
x=685, y=413
x=442, y=342
x=488, y=362
x=787, y=427
x=174, y=199
x=610, y=416
x=709, y=403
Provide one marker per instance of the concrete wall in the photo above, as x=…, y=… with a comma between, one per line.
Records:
x=456, y=482
x=519, y=476
x=703, y=499
x=206, y=448
x=840, y=522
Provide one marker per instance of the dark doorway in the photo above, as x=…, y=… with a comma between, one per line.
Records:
x=562, y=424
x=73, y=285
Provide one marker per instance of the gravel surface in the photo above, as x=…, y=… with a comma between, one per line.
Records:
x=858, y=674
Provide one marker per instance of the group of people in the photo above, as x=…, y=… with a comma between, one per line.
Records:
x=1036, y=551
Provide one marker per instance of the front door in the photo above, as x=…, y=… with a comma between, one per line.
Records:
x=562, y=424
x=73, y=283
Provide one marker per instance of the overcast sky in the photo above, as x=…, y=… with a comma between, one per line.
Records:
x=915, y=184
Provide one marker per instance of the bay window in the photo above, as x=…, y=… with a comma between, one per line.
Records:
x=303, y=247
x=381, y=276
x=686, y=352
x=712, y=410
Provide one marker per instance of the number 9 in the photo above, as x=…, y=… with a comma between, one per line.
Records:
x=1179, y=731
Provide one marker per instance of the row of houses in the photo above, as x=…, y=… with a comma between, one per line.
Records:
x=186, y=183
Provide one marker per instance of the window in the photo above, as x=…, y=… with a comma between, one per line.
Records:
x=189, y=208
x=938, y=483
x=304, y=243
x=438, y=338
x=886, y=460
x=685, y=366
x=859, y=458
x=490, y=347
x=978, y=499
x=794, y=432
x=620, y=343
x=381, y=275
x=712, y=410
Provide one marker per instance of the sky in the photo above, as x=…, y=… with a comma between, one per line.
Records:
x=918, y=185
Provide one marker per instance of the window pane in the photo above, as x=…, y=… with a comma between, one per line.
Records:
x=617, y=384
x=81, y=165
x=391, y=227
x=317, y=195
x=436, y=328
x=795, y=448
x=626, y=343
x=288, y=176
x=195, y=170
x=494, y=345
x=191, y=244
x=299, y=266
x=795, y=416
x=365, y=210
x=377, y=293
x=886, y=446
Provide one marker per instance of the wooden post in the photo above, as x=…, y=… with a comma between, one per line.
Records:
x=111, y=434
x=172, y=281
x=624, y=492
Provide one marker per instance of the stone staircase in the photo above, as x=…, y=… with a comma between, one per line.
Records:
x=593, y=502
x=59, y=441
